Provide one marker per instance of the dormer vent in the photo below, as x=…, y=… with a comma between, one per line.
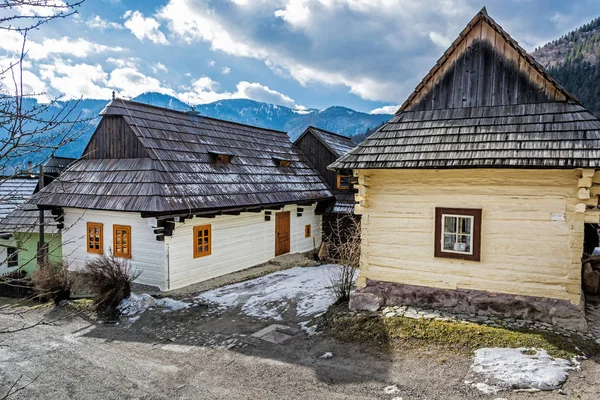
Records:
x=280, y=162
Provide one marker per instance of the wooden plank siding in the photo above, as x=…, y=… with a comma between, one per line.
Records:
x=319, y=155
x=238, y=242
x=114, y=138
x=524, y=250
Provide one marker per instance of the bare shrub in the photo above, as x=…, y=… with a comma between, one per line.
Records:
x=110, y=279
x=342, y=244
x=52, y=281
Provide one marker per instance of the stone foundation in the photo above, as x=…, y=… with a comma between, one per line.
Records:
x=561, y=313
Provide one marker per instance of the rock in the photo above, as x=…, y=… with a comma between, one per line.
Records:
x=327, y=355
x=364, y=301
x=591, y=279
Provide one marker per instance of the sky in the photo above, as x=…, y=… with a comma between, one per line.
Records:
x=364, y=54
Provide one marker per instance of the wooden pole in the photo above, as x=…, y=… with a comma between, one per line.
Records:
x=41, y=245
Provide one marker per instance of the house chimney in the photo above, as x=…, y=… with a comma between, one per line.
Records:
x=29, y=168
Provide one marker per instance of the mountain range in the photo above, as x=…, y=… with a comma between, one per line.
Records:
x=337, y=119
x=574, y=60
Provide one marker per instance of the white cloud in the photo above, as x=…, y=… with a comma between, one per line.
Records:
x=144, y=28
x=76, y=80
x=132, y=82
x=440, y=40
x=12, y=42
x=382, y=34
x=295, y=13
x=44, y=8
x=225, y=70
x=385, y=110
x=10, y=81
x=212, y=63
x=101, y=24
x=124, y=62
x=159, y=67
x=206, y=90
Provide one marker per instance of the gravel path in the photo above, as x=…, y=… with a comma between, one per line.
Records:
x=77, y=358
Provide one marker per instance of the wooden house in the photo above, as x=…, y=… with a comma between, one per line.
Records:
x=322, y=148
x=20, y=222
x=474, y=196
x=184, y=197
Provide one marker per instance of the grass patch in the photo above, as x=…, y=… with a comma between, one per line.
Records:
x=398, y=332
x=83, y=304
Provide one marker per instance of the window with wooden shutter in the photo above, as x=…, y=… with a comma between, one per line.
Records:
x=307, y=230
x=202, y=241
x=95, y=238
x=122, y=241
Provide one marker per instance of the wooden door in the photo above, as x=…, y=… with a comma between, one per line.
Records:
x=282, y=233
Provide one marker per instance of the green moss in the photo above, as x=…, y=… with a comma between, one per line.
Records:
x=80, y=304
x=451, y=335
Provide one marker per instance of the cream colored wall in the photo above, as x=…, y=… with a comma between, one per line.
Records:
x=238, y=242
x=525, y=246
x=147, y=254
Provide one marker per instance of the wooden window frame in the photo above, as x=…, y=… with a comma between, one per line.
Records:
x=307, y=230
x=197, y=230
x=475, y=236
x=12, y=257
x=116, y=252
x=100, y=227
x=339, y=182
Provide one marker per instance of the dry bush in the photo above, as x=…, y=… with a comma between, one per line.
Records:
x=343, y=249
x=52, y=281
x=110, y=279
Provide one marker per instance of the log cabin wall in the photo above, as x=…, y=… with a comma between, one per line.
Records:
x=531, y=230
x=114, y=139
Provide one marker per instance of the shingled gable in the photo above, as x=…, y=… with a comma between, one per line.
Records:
x=157, y=161
x=486, y=103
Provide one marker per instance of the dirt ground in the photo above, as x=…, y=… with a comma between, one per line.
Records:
x=206, y=352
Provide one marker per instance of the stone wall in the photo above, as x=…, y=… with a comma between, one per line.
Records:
x=560, y=313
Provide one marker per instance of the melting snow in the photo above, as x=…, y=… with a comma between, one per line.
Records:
x=496, y=369
x=137, y=304
x=303, y=289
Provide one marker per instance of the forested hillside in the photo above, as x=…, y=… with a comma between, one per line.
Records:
x=574, y=60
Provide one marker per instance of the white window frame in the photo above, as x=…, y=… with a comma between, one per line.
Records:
x=443, y=231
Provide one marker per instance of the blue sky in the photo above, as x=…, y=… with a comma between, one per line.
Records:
x=363, y=54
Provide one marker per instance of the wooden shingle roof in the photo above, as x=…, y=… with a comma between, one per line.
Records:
x=15, y=191
x=170, y=165
x=336, y=143
x=486, y=103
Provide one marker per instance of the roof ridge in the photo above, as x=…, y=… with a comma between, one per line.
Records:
x=187, y=114
x=331, y=133
x=482, y=15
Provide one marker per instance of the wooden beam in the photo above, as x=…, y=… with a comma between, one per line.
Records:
x=585, y=182
x=583, y=194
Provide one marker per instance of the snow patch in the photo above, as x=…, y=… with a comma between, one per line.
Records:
x=304, y=290
x=309, y=330
x=497, y=369
x=136, y=304
x=327, y=355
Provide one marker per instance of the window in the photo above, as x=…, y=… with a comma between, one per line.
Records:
x=12, y=257
x=307, y=230
x=122, y=241
x=95, y=238
x=202, y=241
x=223, y=158
x=343, y=182
x=458, y=233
